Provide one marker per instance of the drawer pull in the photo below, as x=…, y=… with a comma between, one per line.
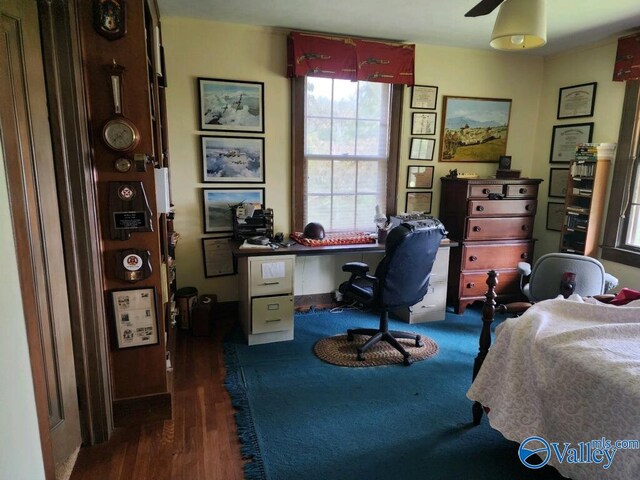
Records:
x=525, y=227
x=480, y=208
x=486, y=191
x=528, y=207
x=524, y=256
x=273, y=320
x=271, y=283
x=477, y=228
x=471, y=285
x=523, y=191
x=473, y=258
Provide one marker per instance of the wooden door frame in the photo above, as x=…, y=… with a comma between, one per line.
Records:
x=78, y=214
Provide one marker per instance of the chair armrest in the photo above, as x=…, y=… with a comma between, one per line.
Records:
x=524, y=269
x=356, y=268
x=610, y=282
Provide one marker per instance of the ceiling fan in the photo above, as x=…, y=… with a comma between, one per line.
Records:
x=484, y=7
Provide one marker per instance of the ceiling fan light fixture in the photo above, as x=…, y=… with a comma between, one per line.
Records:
x=520, y=25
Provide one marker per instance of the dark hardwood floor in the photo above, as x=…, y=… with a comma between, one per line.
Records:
x=199, y=443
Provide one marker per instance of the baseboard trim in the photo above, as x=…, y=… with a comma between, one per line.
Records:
x=145, y=409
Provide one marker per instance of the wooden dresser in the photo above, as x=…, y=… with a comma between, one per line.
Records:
x=492, y=220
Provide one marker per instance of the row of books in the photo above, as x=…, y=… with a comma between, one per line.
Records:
x=575, y=222
x=587, y=152
x=582, y=169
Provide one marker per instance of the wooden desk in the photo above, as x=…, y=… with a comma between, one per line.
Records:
x=266, y=287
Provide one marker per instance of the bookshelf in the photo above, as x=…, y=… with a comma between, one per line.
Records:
x=584, y=201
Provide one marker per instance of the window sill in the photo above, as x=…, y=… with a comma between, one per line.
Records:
x=619, y=255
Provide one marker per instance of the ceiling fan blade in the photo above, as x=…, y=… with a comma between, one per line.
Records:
x=485, y=7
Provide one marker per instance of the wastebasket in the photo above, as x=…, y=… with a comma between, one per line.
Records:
x=186, y=298
x=201, y=316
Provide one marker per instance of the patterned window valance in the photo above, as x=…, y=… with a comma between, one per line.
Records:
x=627, y=58
x=350, y=58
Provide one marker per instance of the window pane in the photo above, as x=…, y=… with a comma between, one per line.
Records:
x=365, y=211
x=319, y=97
x=344, y=137
x=318, y=176
x=344, y=176
x=318, y=136
x=373, y=99
x=372, y=138
x=319, y=210
x=633, y=230
x=345, y=99
x=369, y=176
x=343, y=212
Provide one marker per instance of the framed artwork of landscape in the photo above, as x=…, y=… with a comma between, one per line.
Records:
x=232, y=159
x=231, y=105
x=474, y=129
x=217, y=203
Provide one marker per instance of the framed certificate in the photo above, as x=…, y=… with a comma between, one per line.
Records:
x=424, y=96
x=136, y=322
x=565, y=138
x=577, y=101
x=218, y=259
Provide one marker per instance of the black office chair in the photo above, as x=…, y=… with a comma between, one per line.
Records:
x=400, y=281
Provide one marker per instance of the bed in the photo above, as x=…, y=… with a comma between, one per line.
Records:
x=567, y=371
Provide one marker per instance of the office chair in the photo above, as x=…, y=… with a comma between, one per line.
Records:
x=546, y=274
x=401, y=280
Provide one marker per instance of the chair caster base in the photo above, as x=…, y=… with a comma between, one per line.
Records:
x=360, y=357
x=419, y=342
x=407, y=361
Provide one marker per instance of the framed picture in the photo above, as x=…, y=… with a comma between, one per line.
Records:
x=217, y=205
x=418, y=202
x=474, y=129
x=504, y=162
x=218, y=259
x=135, y=318
x=424, y=96
x=232, y=159
x=558, y=182
x=422, y=148
x=423, y=123
x=555, y=216
x=231, y=105
x=565, y=138
x=419, y=177
x=577, y=101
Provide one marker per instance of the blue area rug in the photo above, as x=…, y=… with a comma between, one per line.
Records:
x=300, y=418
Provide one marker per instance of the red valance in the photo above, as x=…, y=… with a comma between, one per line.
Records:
x=350, y=59
x=627, y=59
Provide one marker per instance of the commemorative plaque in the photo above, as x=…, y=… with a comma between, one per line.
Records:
x=132, y=264
x=129, y=210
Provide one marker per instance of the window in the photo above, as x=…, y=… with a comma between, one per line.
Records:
x=622, y=232
x=345, y=152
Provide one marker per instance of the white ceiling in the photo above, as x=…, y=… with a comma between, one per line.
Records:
x=571, y=23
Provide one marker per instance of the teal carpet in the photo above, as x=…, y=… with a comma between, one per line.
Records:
x=300, y=418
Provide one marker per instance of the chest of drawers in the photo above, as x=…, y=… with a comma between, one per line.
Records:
x=492, y=221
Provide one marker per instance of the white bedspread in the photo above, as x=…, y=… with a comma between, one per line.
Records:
x=567, y=371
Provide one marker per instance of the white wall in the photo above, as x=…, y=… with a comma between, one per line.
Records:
x=20, y=454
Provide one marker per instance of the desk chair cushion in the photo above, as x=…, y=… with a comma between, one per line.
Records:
x=544, y=282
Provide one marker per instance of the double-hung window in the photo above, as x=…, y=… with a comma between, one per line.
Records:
x=345, y=152
x=622, y=232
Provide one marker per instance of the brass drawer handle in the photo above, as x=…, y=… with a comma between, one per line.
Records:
x=523, y=191
x=528, y=207
x=473, y=258
x=525, y=227
x=524, y=256
x=486, y=191
x=480, y=208
x=471, y=285
x=477, y=228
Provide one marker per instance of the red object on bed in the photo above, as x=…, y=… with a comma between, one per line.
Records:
x=625, y=296
x=343, y=238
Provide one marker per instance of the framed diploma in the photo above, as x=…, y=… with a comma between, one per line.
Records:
x=558, y=178
x=136, y=322
x=218, y=259
x=424, y=96
x=577, y=101
x=565, y=138
x=423, y=123
x=418, y=202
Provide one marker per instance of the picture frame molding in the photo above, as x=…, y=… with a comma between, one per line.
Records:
x=208, y=229
x=424, y=97
x=580, y=111
x=118, y=313
x=549, y=225
x=426, y=169
x=206, y=257
x=569, y=148
x=554, y=184
x=202, y=83
x=426, y=115
x=427, y=195
x=414, y=149
x=248, y=140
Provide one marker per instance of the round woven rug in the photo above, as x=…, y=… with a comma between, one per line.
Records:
x=337, y=350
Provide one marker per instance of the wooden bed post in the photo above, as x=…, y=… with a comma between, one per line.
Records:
x=488, y=314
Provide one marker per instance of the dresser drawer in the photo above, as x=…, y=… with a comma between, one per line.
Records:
x=475, y=284
x=519, y=191
x=271, y=275
x=271, y=314
x=487, y=257
x=499, y=228
x=483, y=191
x=491, y=208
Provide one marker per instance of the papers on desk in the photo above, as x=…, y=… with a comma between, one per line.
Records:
x=246, y=244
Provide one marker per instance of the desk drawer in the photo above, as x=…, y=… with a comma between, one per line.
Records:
x=489, y=208
x=483, y=191
x=272, y=314
x=520, y=191
x=271, y=275
x=499, y=228
x=501, y=255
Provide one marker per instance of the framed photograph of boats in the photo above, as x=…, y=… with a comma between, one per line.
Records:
x=231, y=105
x=217, y=203
x=232, y=159
x=474, y=129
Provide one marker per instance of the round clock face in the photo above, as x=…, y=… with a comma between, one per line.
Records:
x=123, y=165
x=120, y=134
